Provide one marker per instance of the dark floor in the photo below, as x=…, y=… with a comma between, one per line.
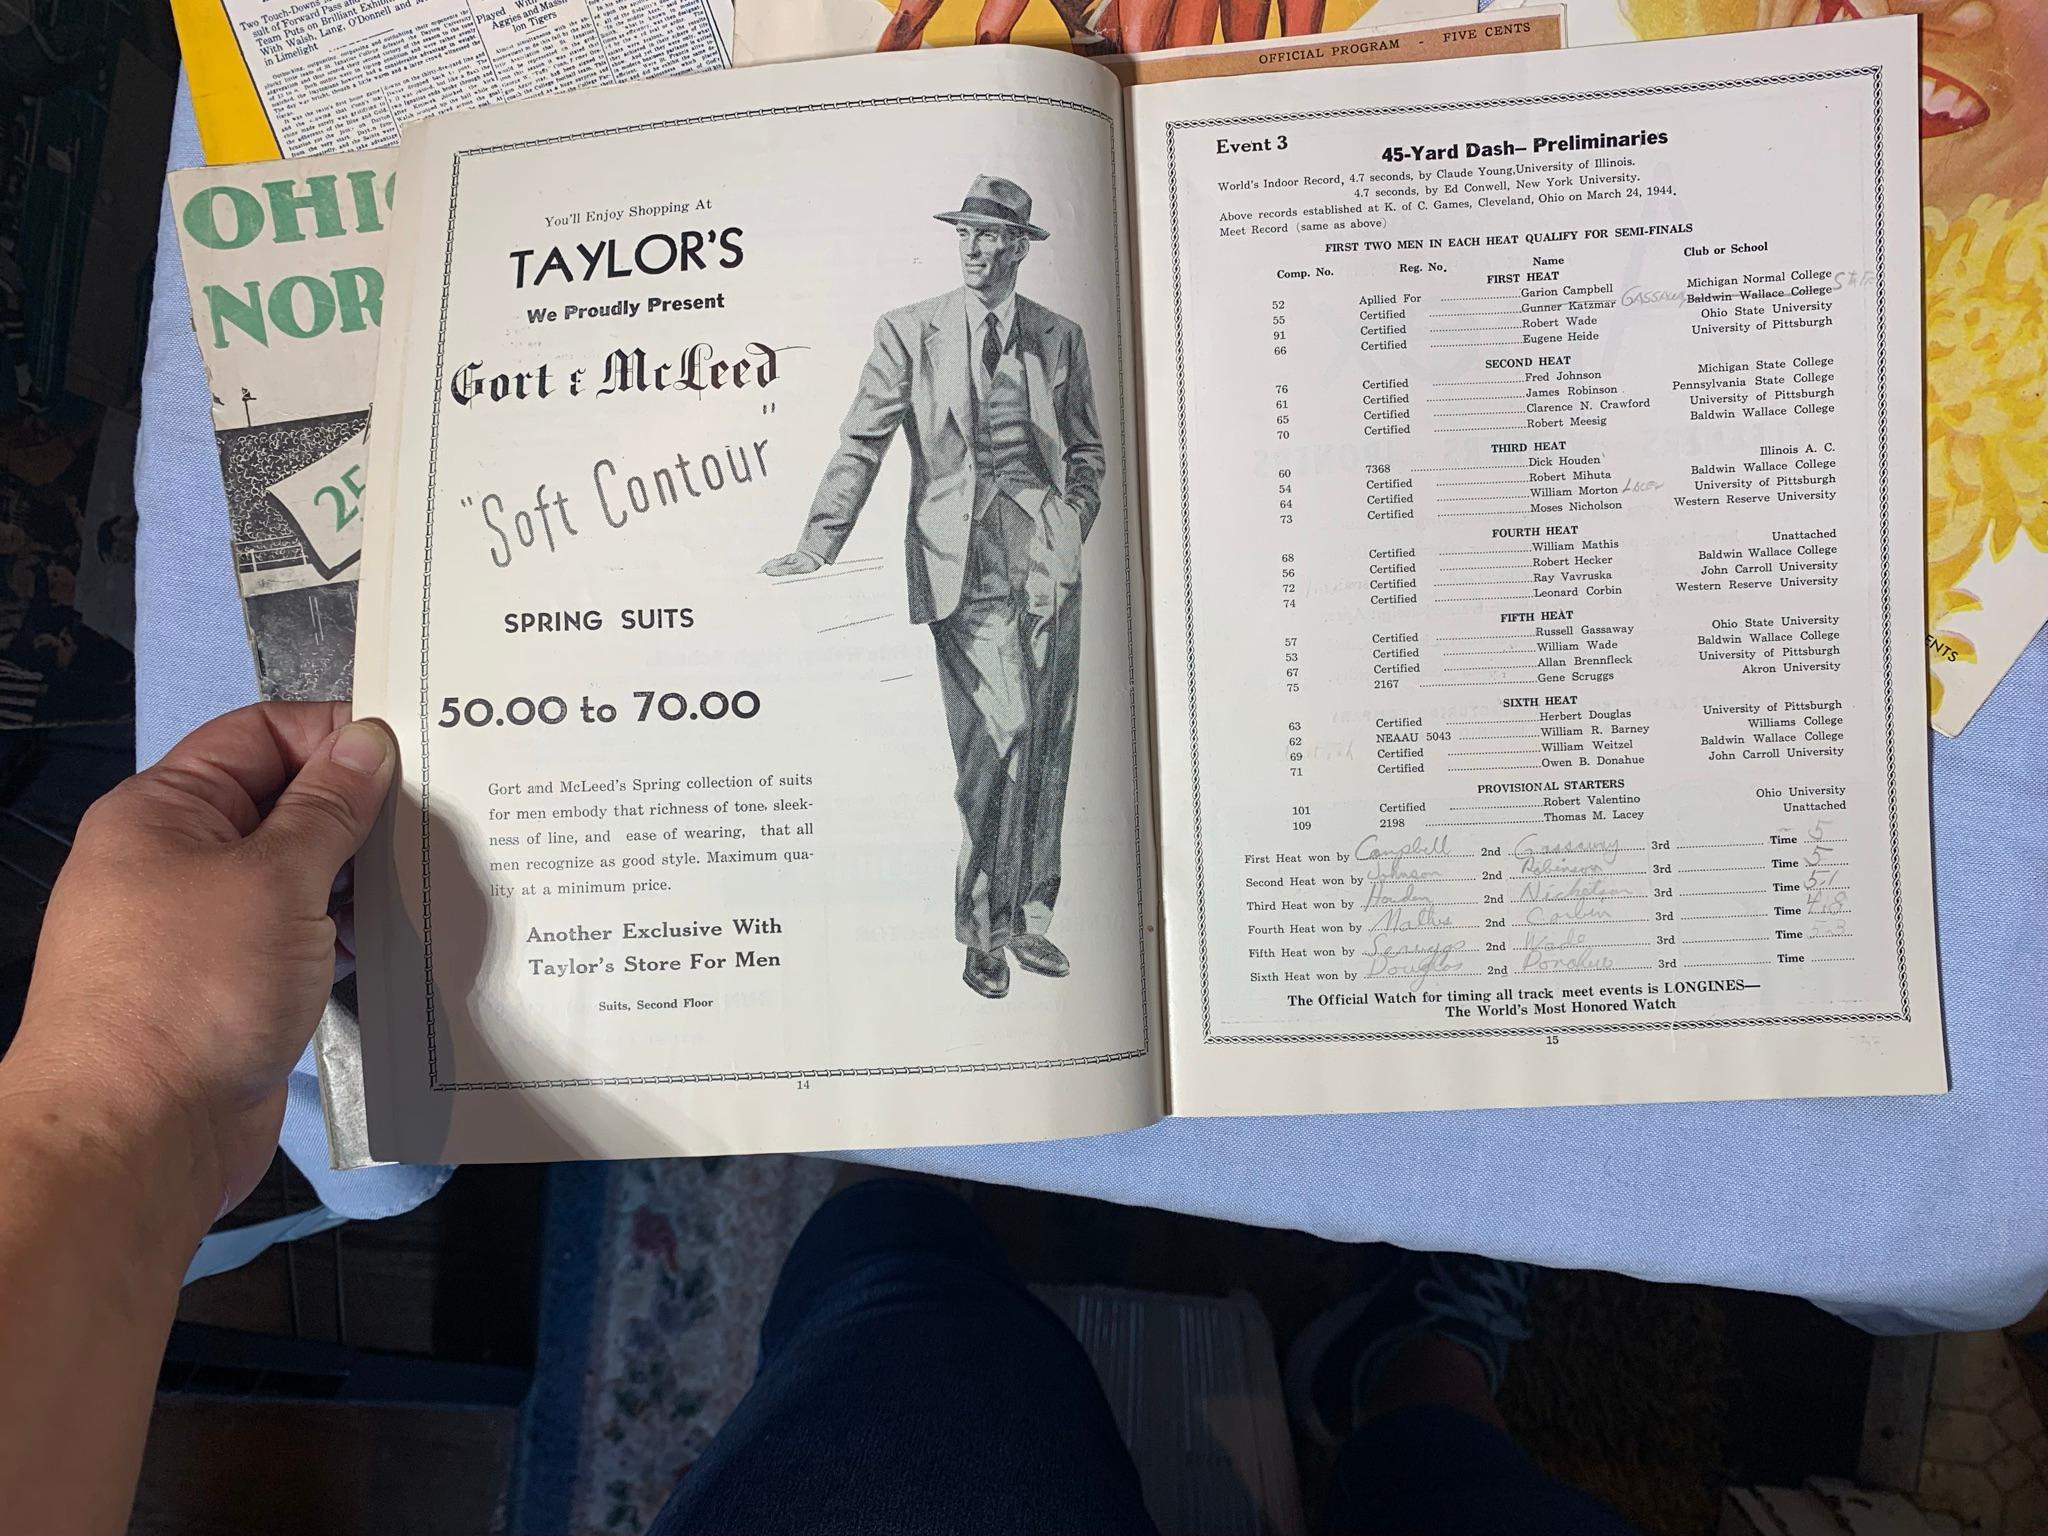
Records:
x=456, y=1279
x=433, y=1315
x=47, y=779
x=1655, y=1397
x=86, y=88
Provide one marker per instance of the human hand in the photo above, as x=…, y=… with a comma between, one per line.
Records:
x=1059, y=532
x=188, y=950
x=795, y=563
x=1062, y=521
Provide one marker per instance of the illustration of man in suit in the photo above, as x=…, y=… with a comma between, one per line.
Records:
x=993, y=394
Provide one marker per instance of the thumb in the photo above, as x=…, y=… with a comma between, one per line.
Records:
x=325, y=812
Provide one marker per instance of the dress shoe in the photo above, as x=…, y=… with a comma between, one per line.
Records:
x=1035, y=952
x=987, y=972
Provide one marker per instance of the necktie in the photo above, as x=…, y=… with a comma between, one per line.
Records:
x=991, y=345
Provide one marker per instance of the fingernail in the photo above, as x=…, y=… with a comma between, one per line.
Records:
x=362, y=747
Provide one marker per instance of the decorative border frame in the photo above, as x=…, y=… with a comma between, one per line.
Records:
x=1875, y=76
x=1118, y=212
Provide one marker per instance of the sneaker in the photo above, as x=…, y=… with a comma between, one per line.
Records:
x=1479, y=1304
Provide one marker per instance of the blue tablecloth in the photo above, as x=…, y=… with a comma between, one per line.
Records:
x=1899, y=1213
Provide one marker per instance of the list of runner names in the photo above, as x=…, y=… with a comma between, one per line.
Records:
x=1535, y=600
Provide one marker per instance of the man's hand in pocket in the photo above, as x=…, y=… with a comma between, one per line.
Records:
x=1060, y=529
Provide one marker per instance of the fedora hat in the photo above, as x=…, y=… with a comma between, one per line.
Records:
x=993, y=203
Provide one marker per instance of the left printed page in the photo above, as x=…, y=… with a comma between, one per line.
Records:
x=749, y=581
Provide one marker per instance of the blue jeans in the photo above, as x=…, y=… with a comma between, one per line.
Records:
x=909, y=1385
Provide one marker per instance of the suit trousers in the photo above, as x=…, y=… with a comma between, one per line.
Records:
x=1009, y=670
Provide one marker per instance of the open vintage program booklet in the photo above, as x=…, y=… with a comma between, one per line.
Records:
x=1486, y=670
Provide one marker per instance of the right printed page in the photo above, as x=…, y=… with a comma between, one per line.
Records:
x=1534, y=474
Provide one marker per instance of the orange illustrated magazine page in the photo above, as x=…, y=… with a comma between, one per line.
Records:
x=812, y=29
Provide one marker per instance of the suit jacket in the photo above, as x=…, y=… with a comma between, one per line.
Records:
x=918, y=380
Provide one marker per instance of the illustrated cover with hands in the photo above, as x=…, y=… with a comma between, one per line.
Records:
x=943, y=599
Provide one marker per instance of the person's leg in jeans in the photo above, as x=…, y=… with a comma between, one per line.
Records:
x=908, y=1385
x=1402, y=1377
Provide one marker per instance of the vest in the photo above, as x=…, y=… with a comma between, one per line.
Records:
x=1006, y=456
